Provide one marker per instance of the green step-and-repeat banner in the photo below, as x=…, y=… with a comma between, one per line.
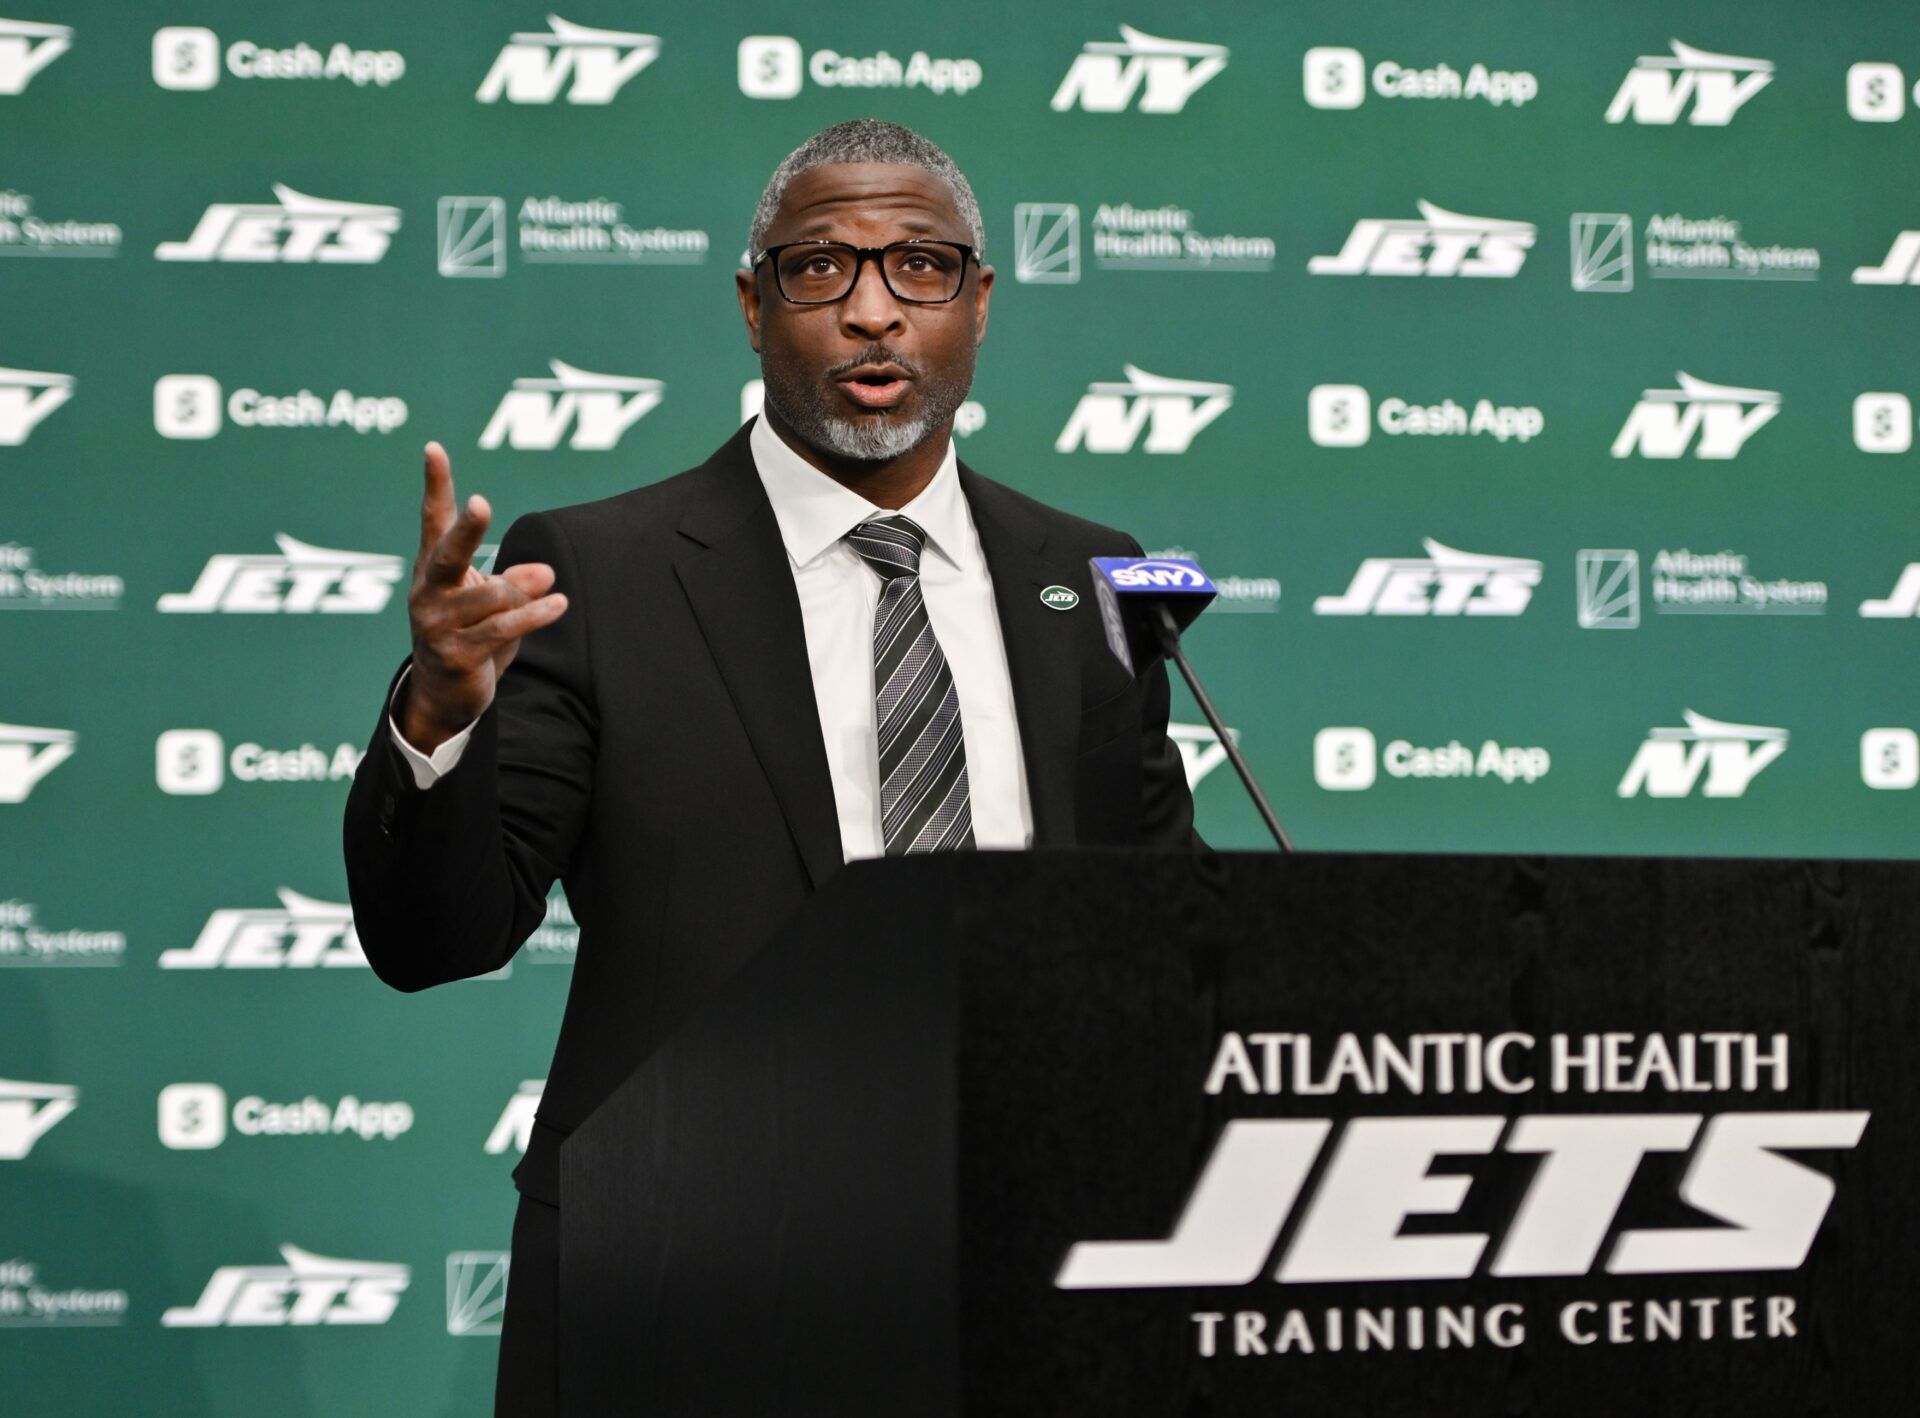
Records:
x=1537, y=381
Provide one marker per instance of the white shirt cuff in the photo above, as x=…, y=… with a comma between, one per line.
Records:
x=428, y=769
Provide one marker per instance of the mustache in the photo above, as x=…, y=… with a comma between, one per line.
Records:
x=875, y=354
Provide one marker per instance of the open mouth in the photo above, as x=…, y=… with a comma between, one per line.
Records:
x=875, y=387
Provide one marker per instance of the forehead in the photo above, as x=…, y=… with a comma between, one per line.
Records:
x=843, y=198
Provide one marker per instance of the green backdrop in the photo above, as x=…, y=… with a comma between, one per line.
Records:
x=1574, y=347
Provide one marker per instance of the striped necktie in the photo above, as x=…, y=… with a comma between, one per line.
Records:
x=916, y=713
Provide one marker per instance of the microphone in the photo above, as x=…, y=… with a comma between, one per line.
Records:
x=1145, y=604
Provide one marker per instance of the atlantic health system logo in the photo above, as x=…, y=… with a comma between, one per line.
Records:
x=556, y=231
x=1681, y=247
x=25, y=586
x=477, y=1291
x=1602, y=247
x=1046, y=242
x=25, y=232
x=1687, y=583
x=27, y=942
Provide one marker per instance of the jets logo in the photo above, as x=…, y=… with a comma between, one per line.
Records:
x=308, y=1290
x=1445, y=582
x=515, y=1128
x=536, y=412
x=27, y=396
x=1902, y=603
x=1666, y=422
x=591, y=65
x=27, y=755
x=1441, y=243
x=1900, y=268
x=303, y=934
x=301, y=580
x=1769, y=1207
x=1200, y=749
x=1708, y=88
x=1110, y=417
x=1162, y=73
x=297, y=230
x=26, y=48
x=28, y=1110
x=1671, y=762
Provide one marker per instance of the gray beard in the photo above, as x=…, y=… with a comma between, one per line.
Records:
x=877, y=439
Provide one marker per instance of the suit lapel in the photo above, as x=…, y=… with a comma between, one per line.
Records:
x=1043, y=655
x=737, y=578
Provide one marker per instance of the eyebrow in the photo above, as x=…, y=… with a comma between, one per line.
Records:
x=824, y=226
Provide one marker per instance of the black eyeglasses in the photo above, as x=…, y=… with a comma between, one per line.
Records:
x=821, y=272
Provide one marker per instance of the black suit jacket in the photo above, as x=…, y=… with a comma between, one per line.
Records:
x=658, y=749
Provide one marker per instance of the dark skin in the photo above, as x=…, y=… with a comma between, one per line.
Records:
x=467, y=626
x=867, y=204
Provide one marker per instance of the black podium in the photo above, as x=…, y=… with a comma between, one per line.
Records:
x=1114, y=1133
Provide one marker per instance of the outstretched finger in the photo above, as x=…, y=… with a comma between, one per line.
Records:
x=436, y=504
x=534, y=578
x=469, y=605
x=521, y=620
x=450, y=558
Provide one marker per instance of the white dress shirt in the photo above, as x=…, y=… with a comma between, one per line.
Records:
x=838, y=593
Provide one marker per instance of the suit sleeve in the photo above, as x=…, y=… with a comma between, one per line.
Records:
x=1166, y=807
x=447, y=883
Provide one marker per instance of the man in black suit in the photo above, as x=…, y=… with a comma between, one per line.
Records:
x=694, y=701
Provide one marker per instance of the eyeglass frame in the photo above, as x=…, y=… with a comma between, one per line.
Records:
x=861, y=254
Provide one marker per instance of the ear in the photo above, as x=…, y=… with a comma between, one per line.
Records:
x=747, y=286
x=982, y=290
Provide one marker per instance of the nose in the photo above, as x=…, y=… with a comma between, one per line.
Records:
x=871, y=310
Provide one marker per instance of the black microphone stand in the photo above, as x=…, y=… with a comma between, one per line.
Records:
x=1169, y=634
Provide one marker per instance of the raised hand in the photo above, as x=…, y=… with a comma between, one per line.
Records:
x=466, y=626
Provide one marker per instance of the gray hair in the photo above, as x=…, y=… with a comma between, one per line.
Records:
x=866, y=140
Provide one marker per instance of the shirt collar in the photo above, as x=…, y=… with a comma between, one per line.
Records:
x=815, y=512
